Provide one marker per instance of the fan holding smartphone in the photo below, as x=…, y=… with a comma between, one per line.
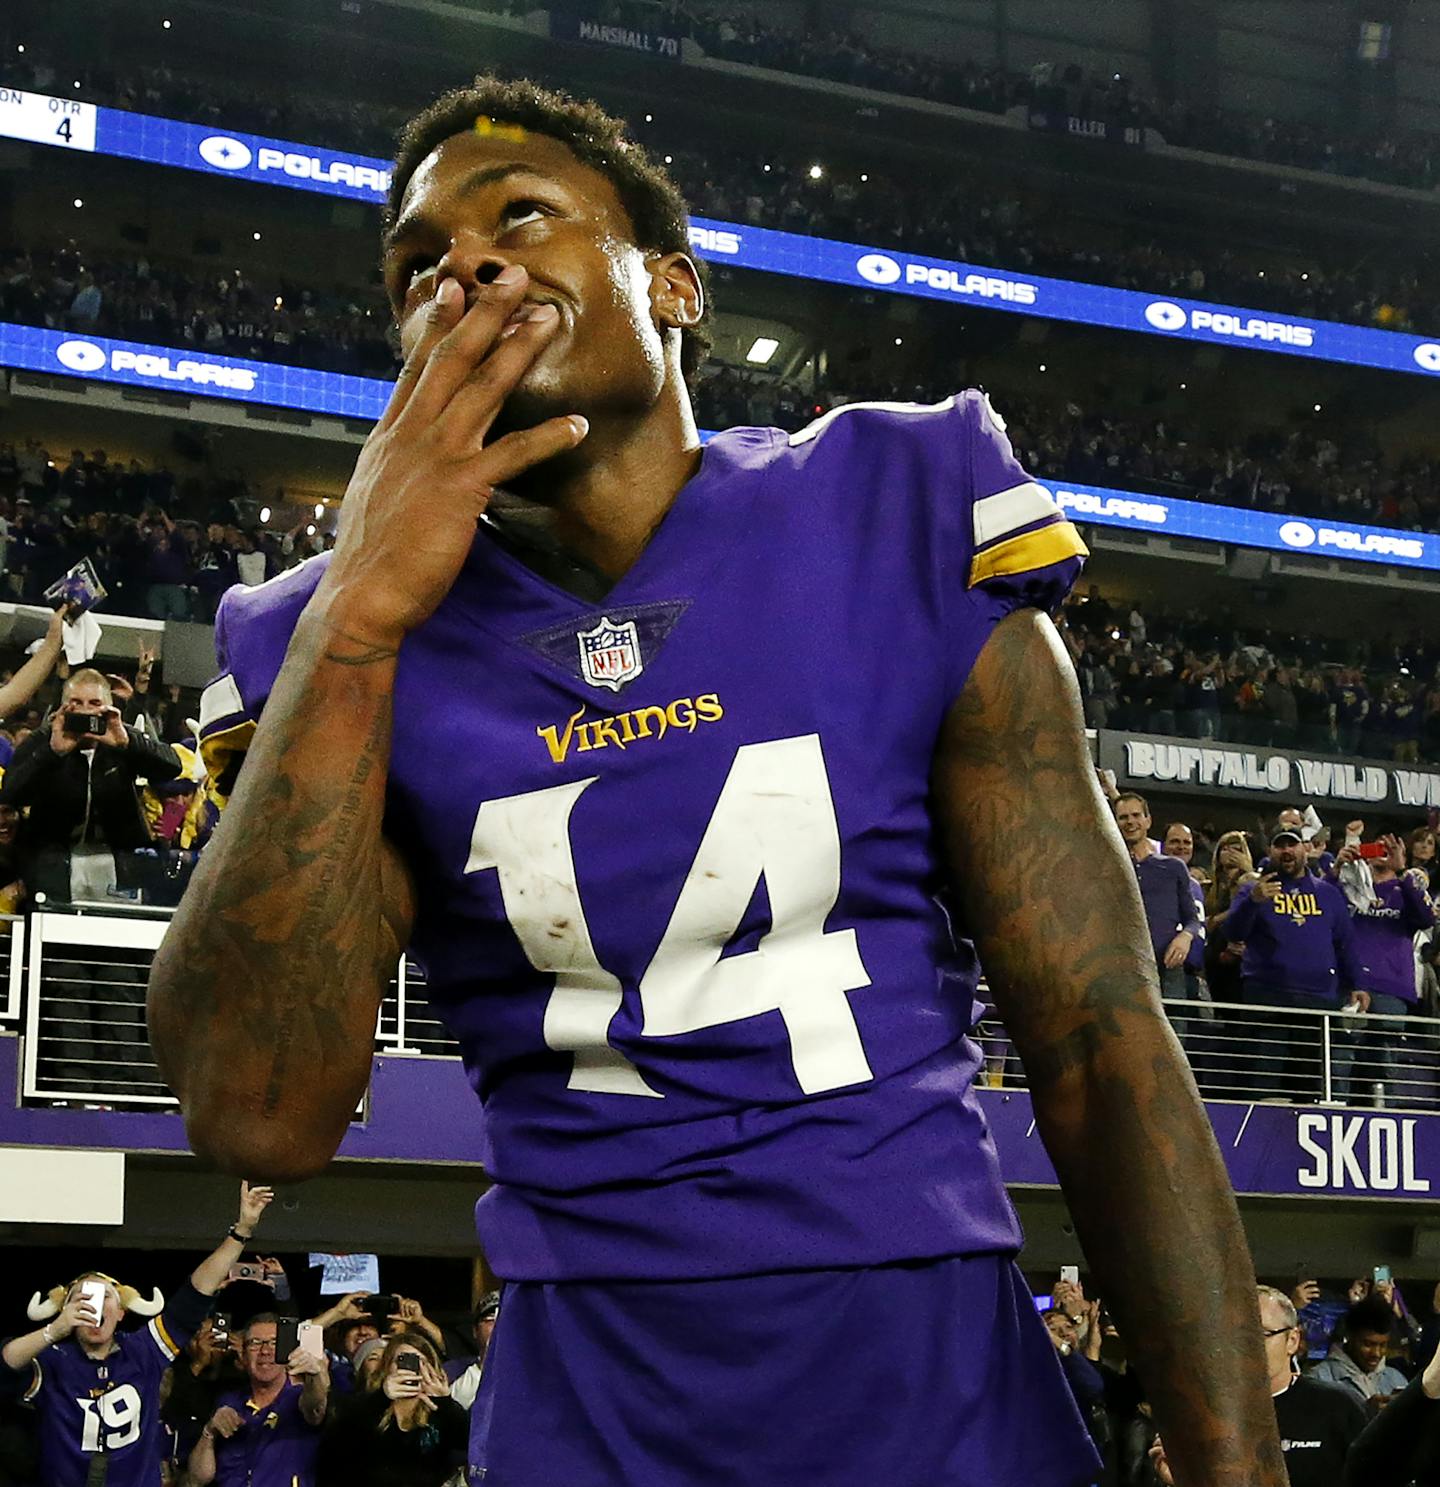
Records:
x=269, y=1429
x=1391, y=905
x=95, y=1387
x=407, y=1429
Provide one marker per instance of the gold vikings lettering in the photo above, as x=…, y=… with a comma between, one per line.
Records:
x=626, y=728
x=1299, y=906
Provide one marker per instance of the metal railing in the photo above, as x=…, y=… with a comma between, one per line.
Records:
x=83, y=979
x=1240, y=1051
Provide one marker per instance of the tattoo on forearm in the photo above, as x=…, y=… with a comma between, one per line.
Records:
x=274, y=960
x=1048, y=892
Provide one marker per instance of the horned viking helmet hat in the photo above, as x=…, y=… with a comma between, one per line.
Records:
x=44, y=1308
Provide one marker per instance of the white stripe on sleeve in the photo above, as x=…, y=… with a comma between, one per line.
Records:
x=1007, y=511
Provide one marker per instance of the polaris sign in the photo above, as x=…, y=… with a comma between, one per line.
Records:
x=100, y=359
x=87, y=358
x=277, y=162
x=881, y=269
x=1237, y=527
x=1169, y=317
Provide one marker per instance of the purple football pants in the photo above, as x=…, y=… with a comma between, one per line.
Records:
x=927, y=1374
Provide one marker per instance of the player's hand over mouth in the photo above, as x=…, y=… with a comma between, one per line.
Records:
x=426, y=471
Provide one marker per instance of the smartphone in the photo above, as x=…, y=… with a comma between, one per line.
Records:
x=408, y=1363
x=94, y=1293
x=220, y=1328
x=85, y=725
x=287, y=1331
x=310, y=1338
x=381, y=1306
x=1070, y=1273
x=1373, y=851
x=1381, y=1274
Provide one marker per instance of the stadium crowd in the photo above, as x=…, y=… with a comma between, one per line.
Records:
x=245, y=1373
x=1398, y=290
x=760, y=38
x=1333, y=474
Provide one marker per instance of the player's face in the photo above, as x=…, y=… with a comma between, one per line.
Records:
x=481, y=202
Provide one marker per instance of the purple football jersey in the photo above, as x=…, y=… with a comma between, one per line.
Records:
x=275, y=1445
x=677, y=871
x=110, y=1407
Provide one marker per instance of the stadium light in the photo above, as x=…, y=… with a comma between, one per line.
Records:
x=669, y=159
x=767, y=170
x=1317, y=407
x=319, y=510
x=863, y=176
x=255, y=236
x=649, y=118
x=762, y=349
x=816, y=171
x=166, y=24
x=1042, y=366
x=264, y=514
x=1183, y=386
x=79, y=202
x=21, y=47
x=310, y=530
x=77, y=82
x=899, y=340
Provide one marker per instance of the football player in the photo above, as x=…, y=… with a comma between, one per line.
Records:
x=661, y=760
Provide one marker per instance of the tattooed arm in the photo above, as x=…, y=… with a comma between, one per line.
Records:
x=264, y=995
x=1047, y=890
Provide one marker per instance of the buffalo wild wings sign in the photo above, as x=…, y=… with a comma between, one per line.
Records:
x=1141, y=760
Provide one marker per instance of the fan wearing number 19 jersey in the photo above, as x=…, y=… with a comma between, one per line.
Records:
x=660, y=758
x=677, y=882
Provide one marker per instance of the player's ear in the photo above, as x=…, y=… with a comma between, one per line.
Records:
x=676, y=297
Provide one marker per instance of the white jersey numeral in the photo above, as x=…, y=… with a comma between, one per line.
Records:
x=118, y=1411
x=775, y=819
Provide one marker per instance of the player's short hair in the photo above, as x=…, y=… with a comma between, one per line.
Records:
x=658, y=215
x=1132, y=795
x=90, y=678
x=1282, y=1303
x=1370, y=1314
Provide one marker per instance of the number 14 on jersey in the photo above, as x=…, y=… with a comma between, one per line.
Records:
x=775, y=817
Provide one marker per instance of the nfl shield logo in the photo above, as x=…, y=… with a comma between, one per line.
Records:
x=610, y=654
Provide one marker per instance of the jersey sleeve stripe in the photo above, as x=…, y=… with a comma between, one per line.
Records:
x=221, y=705
x=163, y=1340
x=1031, y=550
x=1008, y=510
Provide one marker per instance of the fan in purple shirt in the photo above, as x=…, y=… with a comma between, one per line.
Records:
x=675, y=773
x=96, y=1390
x=1386, y=922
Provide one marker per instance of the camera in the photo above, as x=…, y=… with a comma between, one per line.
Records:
x=86, y=725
